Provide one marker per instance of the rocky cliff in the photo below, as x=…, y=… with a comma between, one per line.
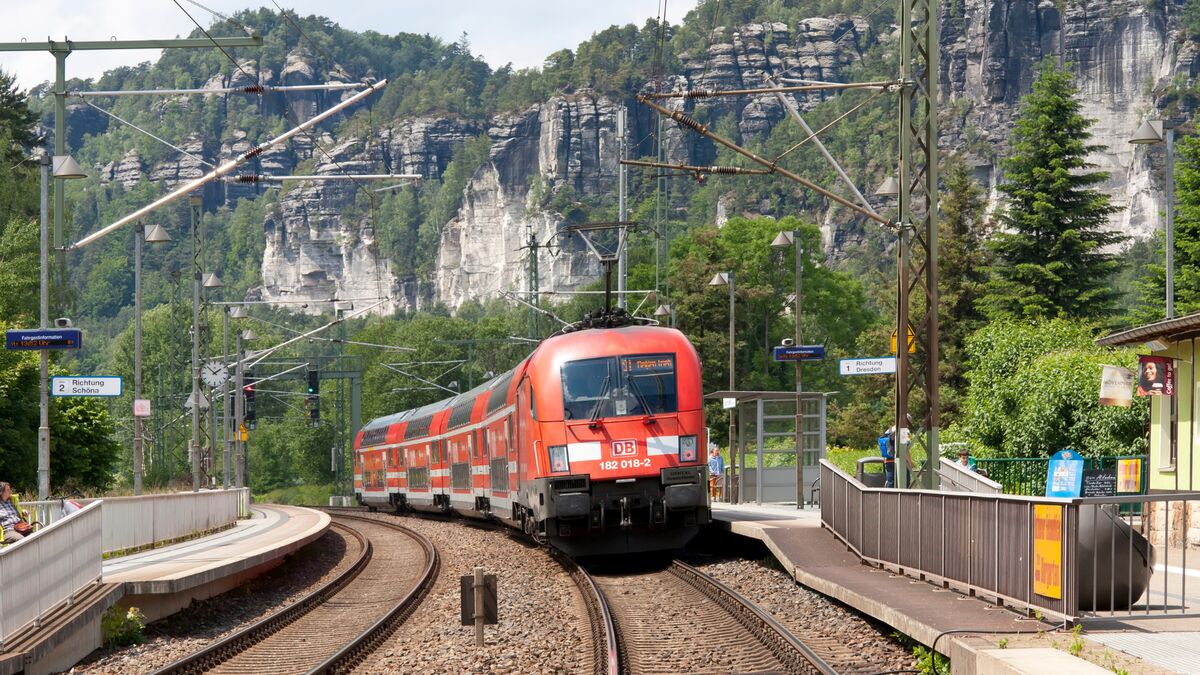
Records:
x=1125, y=53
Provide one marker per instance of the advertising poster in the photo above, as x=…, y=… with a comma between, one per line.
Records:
x=1116, y=386
x=1129, y=476
x=1047, y=550
x=1065, y=475
x=1156, y=376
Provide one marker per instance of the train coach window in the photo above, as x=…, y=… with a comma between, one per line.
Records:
x=586, y=386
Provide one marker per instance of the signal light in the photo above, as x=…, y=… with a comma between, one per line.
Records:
x=314, y=382
x=248, y=395
x=313, y=404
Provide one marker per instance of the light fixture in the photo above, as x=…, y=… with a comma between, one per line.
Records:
x=662, y=310
x=1158, y=345
x=1150, y=133
x=157, y=234
x=890, y=187
x=237, y=312
x=66, y=167
x=782, y=240
x=719, y=279
x=248, y=335
x=211, y=280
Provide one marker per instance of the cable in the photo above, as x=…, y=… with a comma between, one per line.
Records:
x=210, y=39
x=837, y=119
x=708, y=45
x=322, y=52
x=214, y=12
x=131, y=124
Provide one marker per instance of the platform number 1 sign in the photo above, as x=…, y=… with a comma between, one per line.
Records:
x=1047, y=550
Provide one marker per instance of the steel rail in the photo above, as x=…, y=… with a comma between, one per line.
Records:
x=790, y=650
x=607, y=656
x=349, y=656
x=222, y=650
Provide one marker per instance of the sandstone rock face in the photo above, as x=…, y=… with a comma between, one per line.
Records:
x=1123, y=53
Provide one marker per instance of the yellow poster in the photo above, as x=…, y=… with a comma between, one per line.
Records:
x=1047, y=550
x=1129, y=476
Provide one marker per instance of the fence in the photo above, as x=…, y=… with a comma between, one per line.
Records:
x=1066, y=558
x=1027, y=475
x=47, y=568
x=137, y=522
x=955, y=477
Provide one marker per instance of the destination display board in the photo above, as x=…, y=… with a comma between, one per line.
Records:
x=799, y=353
x=43, y=338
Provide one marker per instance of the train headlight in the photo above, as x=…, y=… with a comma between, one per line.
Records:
x=687, y=448
x=559, y=462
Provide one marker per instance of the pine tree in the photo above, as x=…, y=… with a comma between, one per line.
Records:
x=1052, y=257
x=961, y=275
x=1152, y=286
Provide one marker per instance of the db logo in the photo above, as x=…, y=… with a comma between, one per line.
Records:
x=624, y=448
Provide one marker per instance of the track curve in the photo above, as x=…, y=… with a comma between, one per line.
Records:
x=332, y=628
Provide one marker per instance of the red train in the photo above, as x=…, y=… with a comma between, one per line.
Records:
x=594, y=442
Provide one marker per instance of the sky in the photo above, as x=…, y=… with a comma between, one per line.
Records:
x=522, y=32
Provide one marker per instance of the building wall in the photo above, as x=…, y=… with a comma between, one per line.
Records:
x=1185, y=473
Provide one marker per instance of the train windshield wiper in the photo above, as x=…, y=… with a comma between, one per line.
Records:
x=637, y=391
x=599, y=401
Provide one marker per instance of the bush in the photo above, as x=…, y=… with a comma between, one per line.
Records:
x=122, y=627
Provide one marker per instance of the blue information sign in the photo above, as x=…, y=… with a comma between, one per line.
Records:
x=1065, y=475
x=800, y=353
x=43, y=338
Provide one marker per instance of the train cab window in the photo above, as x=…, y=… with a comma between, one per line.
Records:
x=619, y=387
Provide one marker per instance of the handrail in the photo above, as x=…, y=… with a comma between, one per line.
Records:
x=48, y=568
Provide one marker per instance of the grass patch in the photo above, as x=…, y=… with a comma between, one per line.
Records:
x=846, y=459
x=308, y=495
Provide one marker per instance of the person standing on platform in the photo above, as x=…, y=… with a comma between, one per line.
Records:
x=887, y=448
x=716, y=473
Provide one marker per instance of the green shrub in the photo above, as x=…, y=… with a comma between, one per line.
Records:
x=122, y=627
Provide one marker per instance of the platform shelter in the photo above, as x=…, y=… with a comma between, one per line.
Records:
x=764, y=466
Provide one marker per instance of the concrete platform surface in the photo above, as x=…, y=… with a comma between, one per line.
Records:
x=271, y=533
x=818, y=560
x=1034, y=661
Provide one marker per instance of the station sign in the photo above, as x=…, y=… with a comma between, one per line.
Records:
x=869, y=366
x=43, y=338
x=800, y=353
x=85, y=385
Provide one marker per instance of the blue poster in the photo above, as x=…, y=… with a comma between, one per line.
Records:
x=1065, y=475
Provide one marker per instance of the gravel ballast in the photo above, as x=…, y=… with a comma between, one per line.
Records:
x=543, y=622
x=850, y=643
x=204, y=622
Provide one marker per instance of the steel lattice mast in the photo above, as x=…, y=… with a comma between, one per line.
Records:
x=917, y=406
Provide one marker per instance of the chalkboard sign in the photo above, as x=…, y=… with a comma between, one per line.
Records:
x=1099, y=483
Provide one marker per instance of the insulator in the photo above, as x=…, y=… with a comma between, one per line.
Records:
x=255, y=152
x=701, y=93
x=726, y=170
x=688, y=122
x=249, y=178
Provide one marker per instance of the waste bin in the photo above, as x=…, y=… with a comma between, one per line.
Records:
x=871, y=478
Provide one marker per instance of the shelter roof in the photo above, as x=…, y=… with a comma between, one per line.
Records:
x=1172, y=330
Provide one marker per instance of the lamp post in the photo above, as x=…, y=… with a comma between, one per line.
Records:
x=156, y=235
x=64, y=167
x=726, y=279
x=1152, y=132
x=890, y=188
x=207, y=281
x=782, y=241
x=665, y=312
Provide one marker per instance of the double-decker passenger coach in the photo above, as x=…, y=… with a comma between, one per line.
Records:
x=594, y=442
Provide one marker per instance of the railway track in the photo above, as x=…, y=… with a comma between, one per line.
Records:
x=334, y=627
x=682, y=620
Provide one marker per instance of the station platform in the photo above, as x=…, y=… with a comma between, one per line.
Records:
x=163, y=580
x=923, y=611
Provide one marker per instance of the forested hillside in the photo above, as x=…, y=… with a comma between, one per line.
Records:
x=512, y=155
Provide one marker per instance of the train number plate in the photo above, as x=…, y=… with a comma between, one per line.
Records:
x=624, y=448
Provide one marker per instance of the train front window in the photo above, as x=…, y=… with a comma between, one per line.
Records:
x=651, y=381
x=619, y=387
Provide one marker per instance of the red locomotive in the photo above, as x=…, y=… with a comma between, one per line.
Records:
x=594, y=442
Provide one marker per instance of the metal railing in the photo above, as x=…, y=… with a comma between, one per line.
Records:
x=981, y=544
x=1027, y=475
x=1067, y=558
x=48, y=568
x=955, y=477
x=146, y=520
